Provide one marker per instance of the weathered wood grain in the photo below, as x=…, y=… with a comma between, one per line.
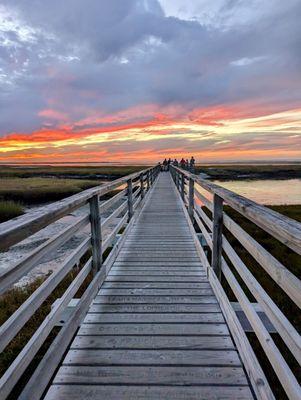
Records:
x=153, y=342
x=128, y=392
x=152, y=357
x=176, y=376
x=153, y=318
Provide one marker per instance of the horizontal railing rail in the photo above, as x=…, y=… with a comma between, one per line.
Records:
x=120, y=210
x=223, y=264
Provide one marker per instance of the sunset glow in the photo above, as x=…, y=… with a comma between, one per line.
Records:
x=179, y=84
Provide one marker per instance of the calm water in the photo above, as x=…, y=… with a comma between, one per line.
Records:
x=269, y=191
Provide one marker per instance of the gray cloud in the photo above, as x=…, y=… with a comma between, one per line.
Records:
x=100, y=57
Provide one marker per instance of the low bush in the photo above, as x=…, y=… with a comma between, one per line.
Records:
x=9, y=209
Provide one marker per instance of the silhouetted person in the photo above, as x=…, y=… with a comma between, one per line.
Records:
x=192, y=163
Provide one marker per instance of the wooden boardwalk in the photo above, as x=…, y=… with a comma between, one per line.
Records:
x=155, y=329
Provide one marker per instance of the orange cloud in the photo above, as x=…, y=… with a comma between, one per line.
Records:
x=212, y=133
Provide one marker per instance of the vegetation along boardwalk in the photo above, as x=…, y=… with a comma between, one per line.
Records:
x=165, y=300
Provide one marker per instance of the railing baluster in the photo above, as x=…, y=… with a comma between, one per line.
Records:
x=191, y=198
x=96, y=237
x=183, y=186
x=130, y=198
x=217, y=234
x=147, y=181
x=142, y=186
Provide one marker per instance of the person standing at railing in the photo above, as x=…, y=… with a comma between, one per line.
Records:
x=175, y=162
x=182, y=163
x=192, y=163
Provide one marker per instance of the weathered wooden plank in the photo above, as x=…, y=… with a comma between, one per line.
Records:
x=155, y=272
x=159, y=266
x=156, y=285
x=153, y=318
x=177, y=376
x=155, y=299
x=163, y=263
x=93, y=392
x=154, y=292
x=154, y=329
x=152, y=357
x=200, y=277
x=155, y=308
x=153, y=342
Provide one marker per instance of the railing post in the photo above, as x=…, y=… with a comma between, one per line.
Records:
x=130, y=198
x=183, y=187
x=147, y=181
x=191, y=198
x=141, y=186
x=96, y=237
x=217, y=234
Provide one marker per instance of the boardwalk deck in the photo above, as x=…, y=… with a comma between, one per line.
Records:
x=155, y=329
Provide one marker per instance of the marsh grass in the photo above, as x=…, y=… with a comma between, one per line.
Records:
x=10, y=209
x=99, y=172
x=242, y=172
x=41, y=190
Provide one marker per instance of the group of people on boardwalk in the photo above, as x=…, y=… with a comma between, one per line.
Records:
x=185, y=164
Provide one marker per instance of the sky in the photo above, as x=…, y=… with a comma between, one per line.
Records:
x=135, y=81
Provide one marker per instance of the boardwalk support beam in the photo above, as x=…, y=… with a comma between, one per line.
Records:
x=130, y=198
x=191, y=198
x=142, y=185
x=217, y=234
x=96, y=237
x=183, y=186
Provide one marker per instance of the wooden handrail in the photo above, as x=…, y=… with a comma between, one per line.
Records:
x=17, y=229
x=14, y=231
x=284, y=229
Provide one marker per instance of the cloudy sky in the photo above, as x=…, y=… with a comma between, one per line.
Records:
x=138, y=80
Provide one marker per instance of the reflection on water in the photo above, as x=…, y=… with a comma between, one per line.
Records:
x=267, y=191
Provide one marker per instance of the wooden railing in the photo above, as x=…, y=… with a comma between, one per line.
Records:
x=224, y=265
x=132, y=190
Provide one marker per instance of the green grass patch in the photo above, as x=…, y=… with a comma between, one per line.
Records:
x=9, y=209
x=99, y=172
x=242, y=172
x=41, y=190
